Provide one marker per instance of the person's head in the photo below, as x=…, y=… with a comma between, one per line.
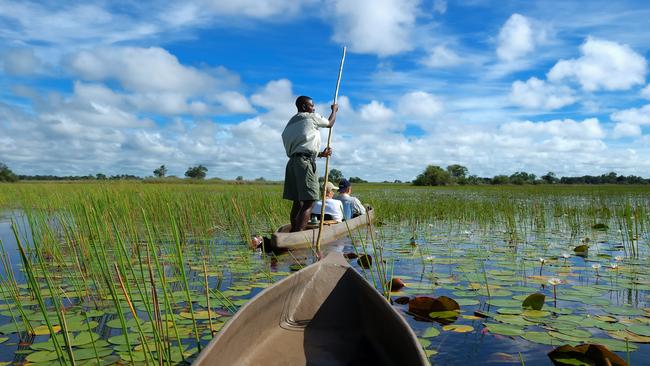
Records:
x=305, y=104
x=329, y=189
x=345, y=186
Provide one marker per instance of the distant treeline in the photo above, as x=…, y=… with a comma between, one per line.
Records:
x=434, y=175
x=80, y=177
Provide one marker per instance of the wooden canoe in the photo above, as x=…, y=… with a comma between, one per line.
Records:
x=325, y=314
x=284, y=239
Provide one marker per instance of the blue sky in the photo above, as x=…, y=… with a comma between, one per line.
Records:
x=497, y=86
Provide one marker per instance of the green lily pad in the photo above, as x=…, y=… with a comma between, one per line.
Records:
x=506, y=303
x=642, y=330
x=431, y=332
x=534, y=301
x=467, y=302
x=623, y=310
x=504, y=329
x=513, y=320
x=541, y=338
x=536, y=313
x=444, y=314
x=510, y=311
x=568, y=337
x=42, y=356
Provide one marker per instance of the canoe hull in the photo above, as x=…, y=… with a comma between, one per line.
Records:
x=326, y=314
x=283, y=239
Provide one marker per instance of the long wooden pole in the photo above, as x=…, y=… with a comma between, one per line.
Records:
x=327, y=159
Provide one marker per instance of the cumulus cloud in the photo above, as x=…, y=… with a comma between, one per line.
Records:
x=626, y=129
x=381, y=27
x=633, y=116
x=419, y=105
x=234, y=102
x=568, y=129
x=604, y=65
x=441, y=56
x=140, y=69
x=536, y=94
x=376, y=112
x=516, y=38
x=645, y=92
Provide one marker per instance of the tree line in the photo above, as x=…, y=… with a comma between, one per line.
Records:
x=434, y=175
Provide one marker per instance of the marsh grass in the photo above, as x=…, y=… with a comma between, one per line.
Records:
x=153, y=251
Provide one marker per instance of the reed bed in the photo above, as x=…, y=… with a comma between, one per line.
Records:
x=163, y=266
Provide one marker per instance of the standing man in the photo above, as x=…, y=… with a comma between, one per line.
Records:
x=301, y=140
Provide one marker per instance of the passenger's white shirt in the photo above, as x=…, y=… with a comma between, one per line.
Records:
x=333, y=208
x=301, y=134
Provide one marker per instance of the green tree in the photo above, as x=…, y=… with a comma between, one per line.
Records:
x=196, y=172
x=160, y=172
x=500, y=179
x=239, y=178
x=335, y=176
x=458, y=172
x=6, y=175
x=100, y=176
x=433, y=175
x=522, y=178
x=550, y=178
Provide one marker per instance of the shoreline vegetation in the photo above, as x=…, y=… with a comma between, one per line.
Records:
x=432, y=175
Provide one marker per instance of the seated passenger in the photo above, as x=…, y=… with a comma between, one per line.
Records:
x=345, y=190
x=333, y=208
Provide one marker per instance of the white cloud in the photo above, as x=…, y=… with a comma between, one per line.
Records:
x=633, y=116
x=381, y=27
x=376, y=112
x=603, y=65
x=516, y=38
x=645, y=92
x=626, y=129
x=20, y=61
x=440, y=6
x=234, y=102
x=588, y=129
x=536, y=93
x=441, y=56
x=419, y=105
x=141, y=69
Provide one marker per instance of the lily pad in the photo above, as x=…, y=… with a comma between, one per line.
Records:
x=431, y=332
x=506, y=303
x=534, y=301
x=504, y=329
x=642, y=330
x=458, y=328
x=623, y=310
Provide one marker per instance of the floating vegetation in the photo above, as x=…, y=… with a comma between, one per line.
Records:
x=138, y=273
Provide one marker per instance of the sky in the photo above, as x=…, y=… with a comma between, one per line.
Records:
x=122, y=87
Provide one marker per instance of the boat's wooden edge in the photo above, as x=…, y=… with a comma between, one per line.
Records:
x=312, y=233
x=332, y=258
